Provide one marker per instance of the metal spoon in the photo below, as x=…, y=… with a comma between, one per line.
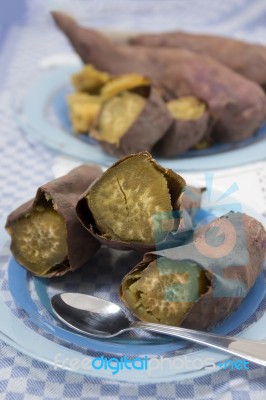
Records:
x=97, y=317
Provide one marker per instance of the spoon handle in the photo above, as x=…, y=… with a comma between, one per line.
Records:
x=251, y=350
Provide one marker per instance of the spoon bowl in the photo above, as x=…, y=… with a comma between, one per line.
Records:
x=93, y=316
x=90, y=315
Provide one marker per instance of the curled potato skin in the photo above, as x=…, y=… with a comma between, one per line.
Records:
x=191, y=199
x=245, y=58
x=147, y=129
x=236, y=104
x=239, y=266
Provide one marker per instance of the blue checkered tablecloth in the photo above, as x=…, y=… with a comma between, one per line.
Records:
x=28, y=37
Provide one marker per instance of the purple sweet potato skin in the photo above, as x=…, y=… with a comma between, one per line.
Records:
x=65, y=192
x=240, y=265
x=149, y=127
x=236, y=104
x=191, y=199
x=245, y=58
x=255, y=239
x=182, y=136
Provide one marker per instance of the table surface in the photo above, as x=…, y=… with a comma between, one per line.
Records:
x=27, y=38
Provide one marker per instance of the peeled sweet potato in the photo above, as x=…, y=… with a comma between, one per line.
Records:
x=190, y=125
x=124, y=83
x=83, y=110
x=46, y=235
x=245, y=58
x=237, y=105
x=134, y=205
x=129, y=123
x=89, y=80
x=202, y=282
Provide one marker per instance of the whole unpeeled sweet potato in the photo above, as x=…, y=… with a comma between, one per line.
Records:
x=202, y=282
x=245, y=58
x=237, y=105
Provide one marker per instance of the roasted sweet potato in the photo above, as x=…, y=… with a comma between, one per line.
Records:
x=124, y=83
x=245, y=58
x=237, y=105
x=46, y=235
x=134, y=205
x=83, y=111
x=201, y=283
x=190, y=125
x=89, y=80
x=129, y=123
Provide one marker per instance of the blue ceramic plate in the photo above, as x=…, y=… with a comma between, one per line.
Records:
x=97, y=272
x=44, y=116
x=19, y=280
x=32, y=294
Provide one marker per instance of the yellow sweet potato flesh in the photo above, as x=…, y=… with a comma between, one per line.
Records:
x=39, y=240
x=131, y=202
x=117, y=115
x=89, y=79
x=83, y=110
x=186, y=108
x=164, y=291
x=123, y=83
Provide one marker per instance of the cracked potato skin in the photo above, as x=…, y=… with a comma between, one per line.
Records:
x=237, y=105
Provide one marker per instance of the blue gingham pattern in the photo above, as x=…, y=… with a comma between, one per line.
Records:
x=25, y=164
